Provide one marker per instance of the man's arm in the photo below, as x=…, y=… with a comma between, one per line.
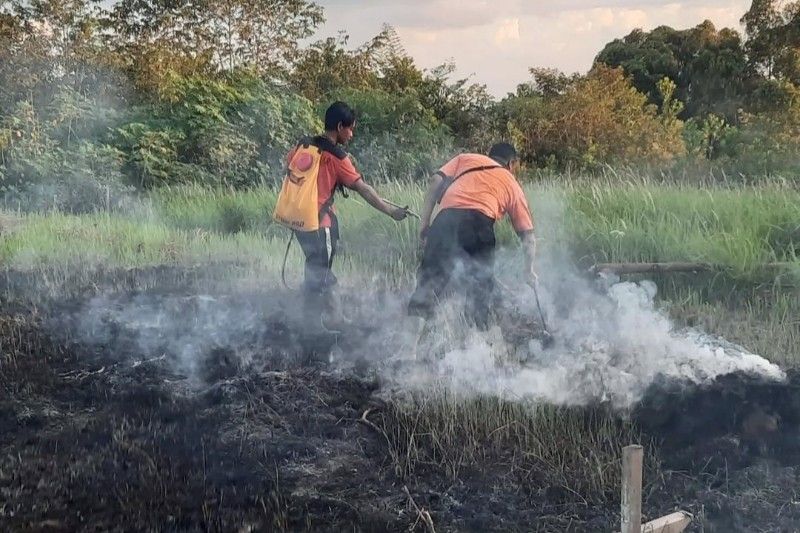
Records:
x=369, y=194
x=430, y=203
x=522, y=221
x=529, y=245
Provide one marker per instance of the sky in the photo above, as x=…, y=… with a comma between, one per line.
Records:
x=496, y=42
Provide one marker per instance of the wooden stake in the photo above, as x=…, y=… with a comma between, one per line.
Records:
x=632, y=489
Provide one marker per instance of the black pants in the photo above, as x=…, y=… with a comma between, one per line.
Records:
x=460, y=246
x=319, y=247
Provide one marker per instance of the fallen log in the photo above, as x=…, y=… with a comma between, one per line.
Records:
x=677, y=266
x=649, y=268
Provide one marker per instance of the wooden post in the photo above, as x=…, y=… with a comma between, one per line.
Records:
x=632, y=489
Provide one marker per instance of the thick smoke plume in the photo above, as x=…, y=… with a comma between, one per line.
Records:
x=611, y=339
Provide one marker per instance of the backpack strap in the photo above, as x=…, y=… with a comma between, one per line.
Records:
x=325, y=145
x=448, y=181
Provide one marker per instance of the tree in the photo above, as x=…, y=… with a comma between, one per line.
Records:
x=762, y=22
x=599, y=119
x=190, y=37
x=149, y=39
x=462, y=106
x=327, y=66
x=547, y=82
x=773, y=39
x=47, y=44
x=262, y=35
x=708, y=66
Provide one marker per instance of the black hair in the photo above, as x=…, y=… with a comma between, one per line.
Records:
x=339, y=113
x=503, y=153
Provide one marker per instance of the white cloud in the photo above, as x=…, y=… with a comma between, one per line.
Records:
x=507, y=32
x=498, y=41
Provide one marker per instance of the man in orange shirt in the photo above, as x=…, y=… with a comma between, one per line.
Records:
x=336, y=170
x=474, y=191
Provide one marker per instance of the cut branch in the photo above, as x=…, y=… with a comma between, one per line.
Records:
x=658, y=268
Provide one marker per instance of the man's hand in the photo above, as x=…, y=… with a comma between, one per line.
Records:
x=423, y=235
x=371, y=196
x=399, y=213
x=533, y=279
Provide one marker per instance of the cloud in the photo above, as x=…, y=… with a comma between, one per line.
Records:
x=507, y=32
x=429, y=14
x=497, y=42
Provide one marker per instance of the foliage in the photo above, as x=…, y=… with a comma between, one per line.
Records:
x=151, y=38
x=596, y=119
x=148, y=93
x=233, y=131
x=46, y=162
x=773, y=44
x=708, y=66
x=397, y=136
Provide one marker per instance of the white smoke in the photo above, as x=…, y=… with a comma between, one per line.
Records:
x=610, y=349
x=611, y=341
x=186, y=330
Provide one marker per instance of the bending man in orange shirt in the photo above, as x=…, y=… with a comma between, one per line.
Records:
x=474, y=192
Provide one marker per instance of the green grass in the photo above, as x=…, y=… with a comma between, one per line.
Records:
x=766, y=321
x=739, y=229
x=121, y=242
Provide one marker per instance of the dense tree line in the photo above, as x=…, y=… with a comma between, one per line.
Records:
x=98, y=97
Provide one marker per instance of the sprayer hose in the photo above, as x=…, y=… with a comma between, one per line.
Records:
x=285, y=258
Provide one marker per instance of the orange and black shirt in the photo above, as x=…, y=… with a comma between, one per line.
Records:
x=494, y=192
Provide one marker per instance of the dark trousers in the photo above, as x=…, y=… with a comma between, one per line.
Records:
x=319, y=247
x=459, y=247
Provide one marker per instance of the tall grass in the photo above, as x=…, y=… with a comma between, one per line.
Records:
x=101, y=240
x=741, y=228
x=766, y=321
x=738, y=229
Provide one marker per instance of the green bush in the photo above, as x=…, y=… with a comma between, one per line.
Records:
x=396, y=136
x=232, y=131
x=46, y=164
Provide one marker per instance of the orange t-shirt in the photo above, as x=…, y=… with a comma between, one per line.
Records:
x=494, y=192
x=335, y=168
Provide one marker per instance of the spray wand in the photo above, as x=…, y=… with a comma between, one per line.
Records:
x=410, y=212
x=548, y=339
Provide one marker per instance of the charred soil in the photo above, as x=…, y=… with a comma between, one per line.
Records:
x=115, y=435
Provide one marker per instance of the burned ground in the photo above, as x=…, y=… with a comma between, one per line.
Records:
x=111, y=433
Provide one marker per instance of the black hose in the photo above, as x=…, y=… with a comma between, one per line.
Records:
x=285, y=257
